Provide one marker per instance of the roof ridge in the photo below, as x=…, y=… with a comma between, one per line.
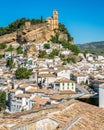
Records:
x=70, y=124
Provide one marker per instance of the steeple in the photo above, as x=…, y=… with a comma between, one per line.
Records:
x=55, y=14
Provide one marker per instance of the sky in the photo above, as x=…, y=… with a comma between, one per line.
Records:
x=83, y=18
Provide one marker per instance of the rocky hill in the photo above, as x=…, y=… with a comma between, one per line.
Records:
x=34, y=30
x=39, y=33
x=92, y=45
x=8, y=38
x=96, y=48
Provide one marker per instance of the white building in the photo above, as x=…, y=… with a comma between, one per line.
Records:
x=64, y=84
x=7, y=55
x=79, y=78
x=101, y=96
x=89, y=57
x=65, y=52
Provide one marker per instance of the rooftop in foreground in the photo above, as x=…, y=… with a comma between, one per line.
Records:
x=73, y=115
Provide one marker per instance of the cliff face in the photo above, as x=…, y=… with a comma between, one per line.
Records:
x=38, y=33
x=8, y=38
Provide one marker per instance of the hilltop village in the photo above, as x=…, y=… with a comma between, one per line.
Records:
x=43, y=75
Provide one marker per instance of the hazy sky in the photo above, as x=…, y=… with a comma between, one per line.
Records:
x=83, y=18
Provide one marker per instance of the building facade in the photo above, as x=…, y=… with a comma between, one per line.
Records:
x=53, y=21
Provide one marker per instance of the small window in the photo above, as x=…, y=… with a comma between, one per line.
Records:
x=68, y=84
x=72, y=84
x=67, y=87
x=72, y=87
x=63, y=84
x=63, y=88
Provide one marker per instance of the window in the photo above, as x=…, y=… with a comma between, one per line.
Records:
x=72, y=84
x=72, y=87
x=57, y=84
x=62, y=84
x=68, y=84
x=67, y=87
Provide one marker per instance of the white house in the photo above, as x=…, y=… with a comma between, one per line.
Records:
x=62, y=73
x=7, y=55
x=100, y=58
x=12, y=100
x=89, y=57
x=46, y=79
x=64, y=84
x=79, y=78
x=101, y=96
x=65, y=52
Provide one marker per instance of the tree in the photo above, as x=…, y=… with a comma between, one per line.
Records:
x=62, y=56
x=3, y=45
x=1, y=56
x=23, y=73
x=55, y=38
x=54, y=52
x=74, y=49
x=10, y=63
x=46, y=46
x=41, y=19
x=19, y=50
x=65, y=44
x=42, y=54
x=25, y=54
x=2, y=99
x=10, y=48
x=18, y=24
x=35, y=21
x=63, y=29
x=71, y=59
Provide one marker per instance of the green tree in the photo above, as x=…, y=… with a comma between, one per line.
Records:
x=71, y=59
x=3, y=45
x=54, y=52
x=55, y=38
x=62, y=56
x=10, y=48
x=35, y=21
x=42, y=54
x=46, y=46
x=1, y=56
x=2, y=99
x=23, y=73
x=71, y=47
x=41, y=19
x=10, y=63
x=74, y=49
x=17, y=24
x=63, y=29
x=19, y=50
x=25, y=54
x=65, y=44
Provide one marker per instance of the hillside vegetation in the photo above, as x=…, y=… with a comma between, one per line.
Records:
x=17, y=24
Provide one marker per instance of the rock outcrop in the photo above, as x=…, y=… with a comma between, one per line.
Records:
x=8, y=38
x=63, y=36
x=32, y=49
x=38, y=33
